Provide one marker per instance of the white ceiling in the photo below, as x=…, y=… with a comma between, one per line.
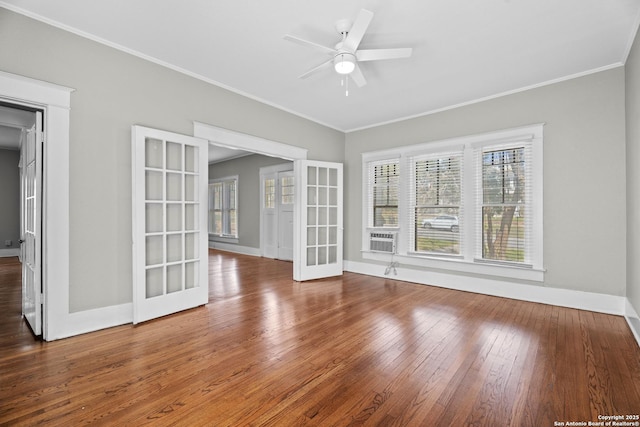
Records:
x=463, y=50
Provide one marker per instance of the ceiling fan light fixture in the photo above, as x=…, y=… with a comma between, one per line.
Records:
x=344, y=63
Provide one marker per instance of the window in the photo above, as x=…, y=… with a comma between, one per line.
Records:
x=223, y=213
x=503, y=208
x=473, y=204
x=436, y=203
x=270, y=193
x=384, y=179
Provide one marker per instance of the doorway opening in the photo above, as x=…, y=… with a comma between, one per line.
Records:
x=280, y=225
x=318, y=205
x=21, y=130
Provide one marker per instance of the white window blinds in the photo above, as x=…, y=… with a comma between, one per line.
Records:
x=503, y=200
x=382, y=199
x=435, y=203
x=473, y=203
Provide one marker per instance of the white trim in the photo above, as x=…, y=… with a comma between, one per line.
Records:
x=490, y=97
x=516, y=134
x=244, y=250
x=283, y=167
x=82, y=322
x=165, y=64
x=5, y=253
x=156, y=61
x=632, y=37
x=601, y=303
x=25, y=89
x=633, y=319
x=236, y=140
x=241, y=141
x=223, y=239
x=56, y=101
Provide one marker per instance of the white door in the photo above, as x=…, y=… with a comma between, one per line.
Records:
x=31, y=248
x=170, y=256
x=269, y=212
x=318, y=226
x=286, y=198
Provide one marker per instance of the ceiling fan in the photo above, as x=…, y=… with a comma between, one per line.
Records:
x=345, y=56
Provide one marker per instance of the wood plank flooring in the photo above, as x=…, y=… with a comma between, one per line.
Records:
x=354, y=350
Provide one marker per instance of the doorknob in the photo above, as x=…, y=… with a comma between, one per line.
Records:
x=21, y=241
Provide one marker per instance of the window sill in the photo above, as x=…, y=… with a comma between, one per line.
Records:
x=462, y=266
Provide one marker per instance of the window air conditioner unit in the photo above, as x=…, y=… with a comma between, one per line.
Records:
x=384, y=242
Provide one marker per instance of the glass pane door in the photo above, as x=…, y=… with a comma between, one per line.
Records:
x=31, y=156
x=170, y=214
x=319, y=227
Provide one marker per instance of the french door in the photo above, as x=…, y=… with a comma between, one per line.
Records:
x=31, y=225
x=319, y=226
x=170, y=238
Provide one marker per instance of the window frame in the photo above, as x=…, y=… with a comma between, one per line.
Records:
x=469, y=260
x=226, y=208
x=413, y=228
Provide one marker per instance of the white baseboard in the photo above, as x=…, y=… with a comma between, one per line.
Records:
x=590, y=301
x=101, y=318
x=5, y=253
x=632, y=319
x=244, y=250
x=86, y=321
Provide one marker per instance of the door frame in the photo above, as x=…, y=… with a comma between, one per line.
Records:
x=55, y=100
x=241, y=141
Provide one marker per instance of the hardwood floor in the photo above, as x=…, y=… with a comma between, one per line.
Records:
x=354, y=350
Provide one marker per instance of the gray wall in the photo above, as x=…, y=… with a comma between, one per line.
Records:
x=633, y=174
x=114, y=90
x=584, y=167
x=584, y=171
x=248, y=171
x=9, y=198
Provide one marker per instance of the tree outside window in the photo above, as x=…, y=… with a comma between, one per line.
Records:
x=503, y=205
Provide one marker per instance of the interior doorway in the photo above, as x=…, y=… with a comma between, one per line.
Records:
x=21, y=130
x=318, y=205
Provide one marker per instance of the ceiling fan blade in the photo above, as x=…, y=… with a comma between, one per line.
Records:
x=316, y=69
x=358, y=77
x=378, y=54
x=304, y=42
x=357, y=30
